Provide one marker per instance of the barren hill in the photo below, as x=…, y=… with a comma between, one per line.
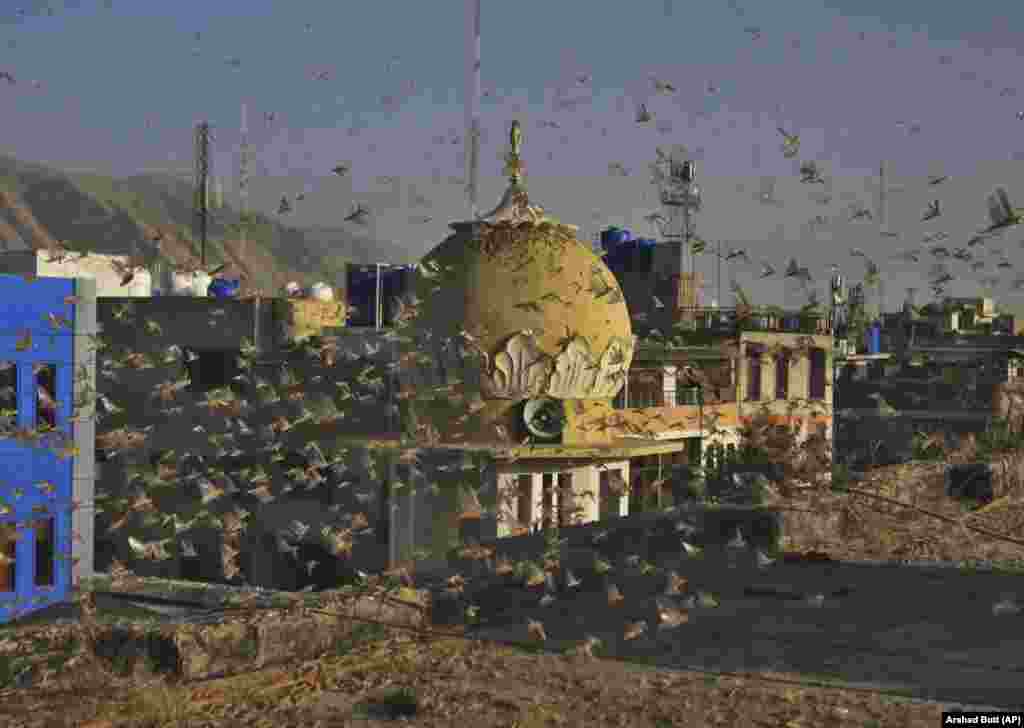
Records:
x=41, y=206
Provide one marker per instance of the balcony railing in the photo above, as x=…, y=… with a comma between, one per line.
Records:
x=724, y=321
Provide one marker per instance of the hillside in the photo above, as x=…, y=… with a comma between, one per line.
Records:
x=40, y=205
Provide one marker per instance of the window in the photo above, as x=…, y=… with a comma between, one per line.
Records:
x=816, y=380
x=753, y=373
x=8, y=395
x=8, y=554
x=646, y=389
x=548, y=496
x=719, y=385
x=566, y=517
x=45, y=376
x=211, y=369
x=46, y=394
x=524, y=503
x=782, y=376
x=44, y=551
x=613, y=487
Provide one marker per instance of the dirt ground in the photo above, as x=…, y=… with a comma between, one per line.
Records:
x=452, y=680
x=874, y=529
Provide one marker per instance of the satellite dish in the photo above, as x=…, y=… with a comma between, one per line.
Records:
x=544, y=417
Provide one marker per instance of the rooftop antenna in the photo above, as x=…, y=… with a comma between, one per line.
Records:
x=883, y=221
x=473, y=106
x=243, y=183
x=202, y=186
x=837, y=308
x=681, y=199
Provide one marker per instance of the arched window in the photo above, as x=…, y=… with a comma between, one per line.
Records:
x=816, y=380
x=782, y=375
x=754, y=352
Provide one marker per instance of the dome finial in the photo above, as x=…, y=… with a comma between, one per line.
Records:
x=515, y=206
x=514, y=168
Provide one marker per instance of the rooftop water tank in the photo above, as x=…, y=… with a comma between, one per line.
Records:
x=201, y=284
x=141, y=285
x=321, y=291
x=181, y=284
x=223, y=288
x=613, y=236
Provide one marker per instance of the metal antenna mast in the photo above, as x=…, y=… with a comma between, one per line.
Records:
x=882, y=218
x=681, y=198
x=243, y=182
x=883, y=221
x=718, y=290
x=202, y=185
x=473, y=106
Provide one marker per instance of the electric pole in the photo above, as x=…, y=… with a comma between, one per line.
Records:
x=243, y=183
x=473, y=106
x=718, y=287
x=202, y=186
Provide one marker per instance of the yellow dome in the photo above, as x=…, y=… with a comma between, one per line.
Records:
x=536, y=294
x=542, y=313
x=537, y=307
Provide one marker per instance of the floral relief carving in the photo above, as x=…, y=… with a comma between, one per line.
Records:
x=612, y=369
x=521, y=370
x=575, y=370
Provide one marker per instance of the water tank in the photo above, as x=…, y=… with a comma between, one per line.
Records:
x=201, y=284
x=613, y=236
x=873, y=338
x=141, y=285
x=321, y=292
x=223, y=288
x=181, y=284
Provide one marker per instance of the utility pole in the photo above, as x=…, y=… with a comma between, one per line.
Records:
x=379, y=307
x=243, y=183
x=882, y=197
x=473, y=106
x=202, y=185
x=718, y=287
x=883, y=221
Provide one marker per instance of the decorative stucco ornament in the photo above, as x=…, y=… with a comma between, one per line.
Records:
x=521, y=370
x=515, y=207
x=614, y=367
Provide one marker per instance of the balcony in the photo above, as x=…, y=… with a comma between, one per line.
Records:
x=702, y=326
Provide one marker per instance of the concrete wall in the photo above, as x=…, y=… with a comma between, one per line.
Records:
x=199, y=323
x=84, y=433
x=95, y=266
x=145, y=341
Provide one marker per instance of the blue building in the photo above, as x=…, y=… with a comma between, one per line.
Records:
x=47, y=474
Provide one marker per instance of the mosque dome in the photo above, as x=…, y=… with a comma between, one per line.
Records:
x=540, y=310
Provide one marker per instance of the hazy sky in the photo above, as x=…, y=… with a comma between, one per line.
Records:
x=929, y=86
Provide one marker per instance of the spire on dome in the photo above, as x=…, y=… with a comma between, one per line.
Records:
x=515, y=206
